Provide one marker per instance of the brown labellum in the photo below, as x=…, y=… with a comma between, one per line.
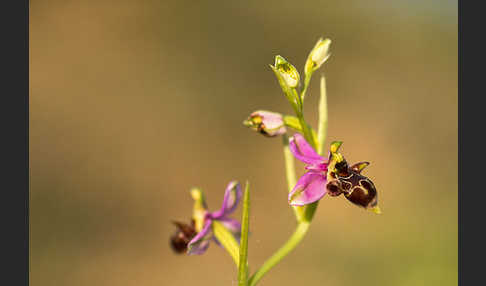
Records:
x=357, y=188
x=183, y=235
x=364, y=194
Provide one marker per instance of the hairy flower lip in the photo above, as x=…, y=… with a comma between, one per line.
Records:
x=181, y=238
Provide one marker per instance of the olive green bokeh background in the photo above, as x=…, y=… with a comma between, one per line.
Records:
x=134, y=102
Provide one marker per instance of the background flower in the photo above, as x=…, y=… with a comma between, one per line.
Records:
x=200, y=243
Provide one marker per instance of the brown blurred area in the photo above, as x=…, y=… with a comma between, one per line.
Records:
x=135, y=102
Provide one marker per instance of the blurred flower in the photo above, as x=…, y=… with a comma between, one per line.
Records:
x=318, y=55
x=182, y=236
x=287, y=71
x=311, y=186
x=203, y=218
x=267, y=123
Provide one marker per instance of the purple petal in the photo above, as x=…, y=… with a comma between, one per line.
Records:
x=272, y=121
x=303, y=151
x=233, y=226
x=199, y=248
x=310, y=188
x=231, y=198
x=200, y=242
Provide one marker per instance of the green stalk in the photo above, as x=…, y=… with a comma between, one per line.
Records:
x=227, y=240
x=290, y=174
x=293, y=241
x=307, y=131
x=294, y=123
x=306, y=84
x=243, y=266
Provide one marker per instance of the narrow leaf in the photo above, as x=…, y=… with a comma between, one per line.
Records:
x=245, y=222
x=322, y=124
x=290, y=171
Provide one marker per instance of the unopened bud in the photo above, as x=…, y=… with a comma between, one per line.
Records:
x=267, y=123
x=318, y=55
x=287, y=71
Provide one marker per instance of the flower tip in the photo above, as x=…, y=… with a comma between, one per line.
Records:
x=321, y=51
x=247, y=123
x=319, y=54
x=234, y=185
x=196, y=194
x=376, y=210
x=335, y=146
x=279, y=60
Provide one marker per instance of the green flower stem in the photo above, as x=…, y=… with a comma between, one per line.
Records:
x=290, y=174
x=322, y=124
x=227, y=240
x=294, y=123
x=293, y=241
x=298, y=99
x=306, y=130
x=306, y=85
x=245, y=223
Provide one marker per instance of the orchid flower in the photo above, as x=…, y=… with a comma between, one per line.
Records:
x=204, y=218
x=330, y=176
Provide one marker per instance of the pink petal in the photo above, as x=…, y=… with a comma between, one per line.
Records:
x=310, y=188
x=200, y=243
x=232, y=196
x=303, y=151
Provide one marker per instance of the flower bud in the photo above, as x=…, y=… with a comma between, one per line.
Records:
x=287, y=71
x=318, y=55
x=267, y=123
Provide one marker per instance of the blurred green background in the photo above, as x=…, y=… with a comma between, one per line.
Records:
x=134, y=102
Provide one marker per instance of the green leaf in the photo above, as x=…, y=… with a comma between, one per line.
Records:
x=245, y=222
x=227, y=240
